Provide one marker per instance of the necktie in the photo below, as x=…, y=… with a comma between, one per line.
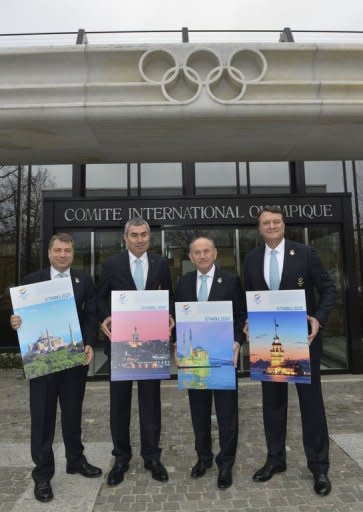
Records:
x=139, y=275
x=274, y=271
x=61, y=274
x=203, y=289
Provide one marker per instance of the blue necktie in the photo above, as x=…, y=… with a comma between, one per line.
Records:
x=139, y=275
x=274, y=271
x=61, y=274
x=203, y=289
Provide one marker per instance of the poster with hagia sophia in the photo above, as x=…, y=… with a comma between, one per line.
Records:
x=278, y=336
x=50, y=336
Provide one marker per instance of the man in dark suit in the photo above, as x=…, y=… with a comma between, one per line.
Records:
x=297, y=266
x=218, y=285
x=133, y=269
x=67, y=385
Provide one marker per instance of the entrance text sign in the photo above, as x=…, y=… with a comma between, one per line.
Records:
x=204, y=332
x=277, y=326
x=98, y=213
x=140, y=335
x=50, y=336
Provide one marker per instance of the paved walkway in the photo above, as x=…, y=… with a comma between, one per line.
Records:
x=288, y=492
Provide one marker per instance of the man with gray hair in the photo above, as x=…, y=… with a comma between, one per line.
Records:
x=134, y=269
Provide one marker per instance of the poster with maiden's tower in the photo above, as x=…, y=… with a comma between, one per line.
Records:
x=278, y=336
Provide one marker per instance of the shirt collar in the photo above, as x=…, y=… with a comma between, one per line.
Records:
x=210, y=273
x=279, y=248
x=133, y=258
x=54, y=272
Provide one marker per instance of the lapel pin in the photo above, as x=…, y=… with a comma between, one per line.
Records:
x=219, y=280
x=76, y=279
x=300, y=281
x=292, y=252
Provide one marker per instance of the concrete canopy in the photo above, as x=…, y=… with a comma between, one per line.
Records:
x=88, y=104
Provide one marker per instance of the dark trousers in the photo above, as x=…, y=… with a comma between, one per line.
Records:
x=314, y=426
x=149, y=415
x=226, y=406
x=69, y=387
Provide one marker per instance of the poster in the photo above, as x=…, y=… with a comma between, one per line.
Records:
x=140, y=335
x=204, y=352
x=50, y=336
x=278, y=331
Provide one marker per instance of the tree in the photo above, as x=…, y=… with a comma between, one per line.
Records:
x=18, y=208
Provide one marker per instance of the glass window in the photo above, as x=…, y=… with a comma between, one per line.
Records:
x=215, y=178
x=54, y=179
x=161, y=179
x=106, y=180
x=269, y=177
x=321, y=177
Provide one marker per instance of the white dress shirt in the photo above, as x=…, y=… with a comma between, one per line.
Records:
x=54, y=272
x=144, y=264
x=210, y=277
x=280, y=253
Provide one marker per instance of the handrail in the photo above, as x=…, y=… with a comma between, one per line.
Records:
x=82, y=36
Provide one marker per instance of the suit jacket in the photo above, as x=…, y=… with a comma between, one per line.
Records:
x=302, y=269
x=85, y=298
x=225, y=286
x=116, y=275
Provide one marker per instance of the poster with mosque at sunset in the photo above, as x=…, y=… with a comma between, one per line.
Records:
x=204, y=352
x=140, y=335
x=278, y=332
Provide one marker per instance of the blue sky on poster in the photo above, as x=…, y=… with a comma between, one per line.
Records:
x=52, y=315
x=68, y=15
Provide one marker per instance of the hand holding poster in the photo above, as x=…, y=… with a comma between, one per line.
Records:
x=205, y=338
x=277, y=327
x=140, y=335
x=50, y=336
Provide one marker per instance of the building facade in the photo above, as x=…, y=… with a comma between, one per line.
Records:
x=195, y=139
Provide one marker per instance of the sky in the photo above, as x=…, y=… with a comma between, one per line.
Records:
x=291, y=329
x=52, y=315
x=69, y=15
x=150, y=325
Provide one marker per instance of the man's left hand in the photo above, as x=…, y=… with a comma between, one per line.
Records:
x=236, y=351
x=88, y=350
x=171, y=324
x=315, y=326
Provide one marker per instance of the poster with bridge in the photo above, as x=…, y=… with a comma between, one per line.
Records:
x=205, y=338
x=50, y=336
x=278, y=332
x=140, y=335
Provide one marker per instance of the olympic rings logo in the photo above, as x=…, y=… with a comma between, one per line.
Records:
x=224, y=80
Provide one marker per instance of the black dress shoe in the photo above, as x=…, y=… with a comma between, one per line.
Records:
x=322, y=484
x=224, y=478
x=158, y=471
x=116, y=475
x=200, y=468
x=43, y=491
x=86, y=469
x=268, y=471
